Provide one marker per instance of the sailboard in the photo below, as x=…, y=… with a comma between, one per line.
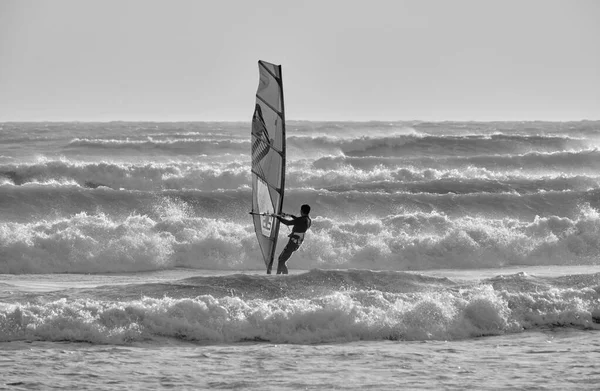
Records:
x=268, y=159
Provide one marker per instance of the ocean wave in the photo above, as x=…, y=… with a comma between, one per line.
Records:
x=144, y=176
x=172, y=235
x=457, y=145
x=326, y=174
x=97, y=243
x=195, y=135
x=179, y=145
x=440, y=312
x=470, y=181
x=573, y=162
x=34, y=201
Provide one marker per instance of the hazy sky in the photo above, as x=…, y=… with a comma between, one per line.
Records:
x=342, y=60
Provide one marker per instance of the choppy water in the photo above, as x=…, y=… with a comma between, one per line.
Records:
x=442, y=255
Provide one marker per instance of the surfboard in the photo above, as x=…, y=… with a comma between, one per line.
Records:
x=268, y=159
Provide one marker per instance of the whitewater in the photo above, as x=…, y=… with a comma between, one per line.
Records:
x=445, y=255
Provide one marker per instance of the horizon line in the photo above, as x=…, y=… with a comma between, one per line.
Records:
x=294, y=120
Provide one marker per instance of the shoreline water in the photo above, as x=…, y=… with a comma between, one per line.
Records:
x=549, y=359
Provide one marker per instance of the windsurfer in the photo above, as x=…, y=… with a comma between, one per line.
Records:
x=301, y=225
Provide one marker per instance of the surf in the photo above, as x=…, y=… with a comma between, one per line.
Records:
x=318, y=306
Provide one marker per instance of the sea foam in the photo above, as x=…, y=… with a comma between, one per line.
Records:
x=440, y=312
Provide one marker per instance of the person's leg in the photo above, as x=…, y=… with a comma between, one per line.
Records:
x=284, y=256
x=282, y=268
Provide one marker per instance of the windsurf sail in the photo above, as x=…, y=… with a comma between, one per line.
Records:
x=268, y=159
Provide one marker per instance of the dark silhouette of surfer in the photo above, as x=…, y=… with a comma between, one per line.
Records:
x=301, y=225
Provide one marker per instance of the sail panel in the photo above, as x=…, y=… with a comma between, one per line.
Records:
x=268, y=158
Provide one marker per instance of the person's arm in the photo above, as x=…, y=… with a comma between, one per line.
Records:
x=286, y=222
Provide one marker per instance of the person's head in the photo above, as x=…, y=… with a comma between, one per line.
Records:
x=305, y=209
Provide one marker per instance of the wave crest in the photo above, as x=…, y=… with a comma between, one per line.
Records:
x=443, y=313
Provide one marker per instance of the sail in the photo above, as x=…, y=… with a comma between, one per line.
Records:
x=268, y=158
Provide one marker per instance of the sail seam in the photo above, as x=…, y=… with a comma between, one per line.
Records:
x=270, y=106
x=277, y=189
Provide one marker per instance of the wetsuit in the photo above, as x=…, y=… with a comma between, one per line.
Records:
x=301, y=225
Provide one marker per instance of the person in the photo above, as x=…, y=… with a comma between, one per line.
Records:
x=301, y=225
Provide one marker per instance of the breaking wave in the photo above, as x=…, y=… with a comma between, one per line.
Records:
x=360, y=305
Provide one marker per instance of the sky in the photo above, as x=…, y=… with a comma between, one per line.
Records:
x=358, y=60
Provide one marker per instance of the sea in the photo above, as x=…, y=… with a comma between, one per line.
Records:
x=442, y=255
